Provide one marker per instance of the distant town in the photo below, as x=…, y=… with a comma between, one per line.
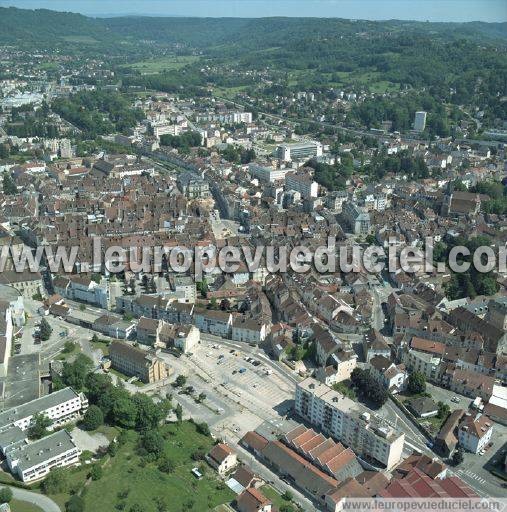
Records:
x=161, y=388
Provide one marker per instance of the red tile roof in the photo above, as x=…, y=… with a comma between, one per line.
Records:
x=419, y=485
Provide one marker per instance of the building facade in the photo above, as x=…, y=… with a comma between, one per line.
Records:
x=347, y=422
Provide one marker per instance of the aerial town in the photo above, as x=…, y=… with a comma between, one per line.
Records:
x=142, y=384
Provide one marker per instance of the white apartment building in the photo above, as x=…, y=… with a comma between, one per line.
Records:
x=33, y=461
x=60, y=407
x=267, y=174
x=218, y=323
x=249, y=330
x=475, y=432
x=349, y=423
x=427, y=364
x=84, y=289
x=420, y=121
x=6, y=333
x=302, y=183
x=303, y=150
x=166, y=129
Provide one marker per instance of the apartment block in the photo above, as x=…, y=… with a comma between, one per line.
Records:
x=60, y=407
x=288, y=152
x=32, y=461
x=135, y=362
x=349, y=423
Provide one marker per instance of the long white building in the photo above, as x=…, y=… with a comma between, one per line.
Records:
x=60, y=407
x=33, y=461
x=298, y=151
x=349, y=423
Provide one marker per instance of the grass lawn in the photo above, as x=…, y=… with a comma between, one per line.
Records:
x=65, y=356
x=76, y=477
x=23, y=506
x=127, y=482
x=6, y=478
x=109, y=432
x=274, y=496
x=434, y=423
x=102, y=345
x=169, y=63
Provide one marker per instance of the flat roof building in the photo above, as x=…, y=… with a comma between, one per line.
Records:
x=349, y=423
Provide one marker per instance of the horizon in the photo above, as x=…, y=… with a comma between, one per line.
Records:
x=458, y=11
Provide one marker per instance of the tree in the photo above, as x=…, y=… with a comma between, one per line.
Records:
x=9, y=187
x=166, y=465
x=443, y=410
x=57, y=481
x=225, y=304
x=69, y=346
x=96, y=472
x=201, y=397
x=458, y=456
x=287, y=496
x=180, y=381
x=5, y=495
x=179, y=413
x=112, y=449
x=39, y=426
x=93, y=418
x=153, y=442
x=368, y=387
x=149, y=414
x=416, y=383
x=287, y=507
x=377, y=394
x=97, y=385
x=74, y=374
x=203, y=429
x=45, y=330
x=124, y=411
x=75, y=504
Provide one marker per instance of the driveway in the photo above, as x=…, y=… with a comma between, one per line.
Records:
x=39, y=500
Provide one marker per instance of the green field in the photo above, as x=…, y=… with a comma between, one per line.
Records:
x=23, y=506
x=128, y=480
x=169, y=63
x=229, y=92
x=372, y=79
x=80, y=39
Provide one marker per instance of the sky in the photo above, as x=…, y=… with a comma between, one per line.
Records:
x=422, y=10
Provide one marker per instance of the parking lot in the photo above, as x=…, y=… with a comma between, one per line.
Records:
x=446, y=396
x=254, y=383
x=241, y=395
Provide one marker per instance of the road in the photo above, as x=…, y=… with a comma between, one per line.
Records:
x=39, y=500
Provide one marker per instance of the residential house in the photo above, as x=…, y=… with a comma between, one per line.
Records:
x=446, y=440
x=252, y=500
x=249, y=330
x=222, y=458
x=474, y=432
x=374, y=344
x=218, y=323
x=423, y=407
x=393, y=378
